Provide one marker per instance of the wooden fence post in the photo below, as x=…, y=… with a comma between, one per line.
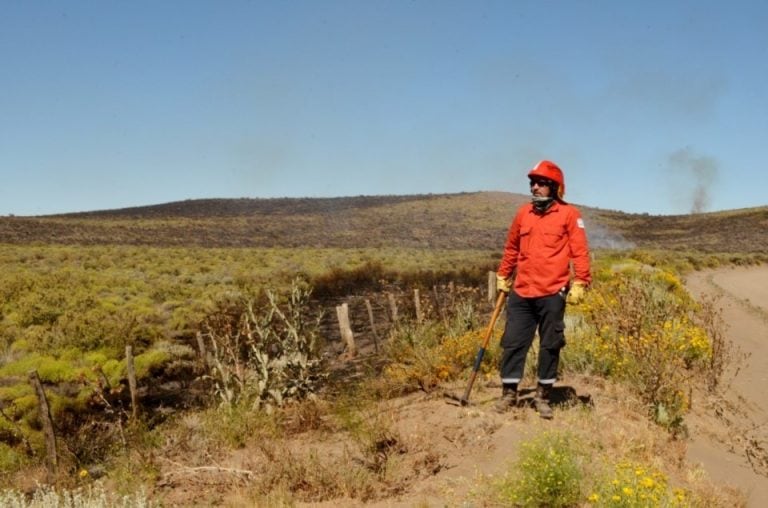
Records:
x=392, y=307
x=342, y=313
x=417, y=306
x=52, y=458
x=373, y=325
x=131, y=380
x=438, y=306
x=491, y=286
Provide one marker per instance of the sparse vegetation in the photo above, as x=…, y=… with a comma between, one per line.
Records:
x=260, y=413
x=90, y=496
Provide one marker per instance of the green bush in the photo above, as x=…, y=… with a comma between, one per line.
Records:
x=547, y=472
x=10, y=460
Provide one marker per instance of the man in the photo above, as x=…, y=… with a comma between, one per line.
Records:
x=545, y=238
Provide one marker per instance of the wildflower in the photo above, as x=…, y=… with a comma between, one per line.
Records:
x=628, y=491
x=83, y=473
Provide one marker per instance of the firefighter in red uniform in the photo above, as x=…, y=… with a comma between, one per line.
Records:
x=545, y=264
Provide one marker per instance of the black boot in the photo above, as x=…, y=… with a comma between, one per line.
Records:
x=541, y=401
x=508, y=398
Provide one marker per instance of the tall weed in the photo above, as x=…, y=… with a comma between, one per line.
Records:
x=264, y=351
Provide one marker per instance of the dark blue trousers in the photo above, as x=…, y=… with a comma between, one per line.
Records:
x=524, y=317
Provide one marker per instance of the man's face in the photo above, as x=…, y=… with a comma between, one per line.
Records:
x=540, y=187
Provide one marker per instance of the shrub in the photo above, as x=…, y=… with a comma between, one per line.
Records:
x=413, y=357
x=10, y=458
x=264, y=348
x=724, y=354
x=637, y=326
x=634, y=485
x=424, y=355
x=547, y=472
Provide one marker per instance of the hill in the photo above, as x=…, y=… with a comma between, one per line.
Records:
x=435, y=221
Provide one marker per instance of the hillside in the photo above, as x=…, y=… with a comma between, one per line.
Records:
x=437, y=221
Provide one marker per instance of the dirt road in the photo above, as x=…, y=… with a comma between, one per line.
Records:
x=743, y=298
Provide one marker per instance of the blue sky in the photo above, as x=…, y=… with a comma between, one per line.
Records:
x=657, y=107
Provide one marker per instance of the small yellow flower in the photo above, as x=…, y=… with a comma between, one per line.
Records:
x=83, y=473
x=628, y=491
x=593, y=497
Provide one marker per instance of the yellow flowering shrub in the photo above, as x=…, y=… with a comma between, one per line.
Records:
x=412, y=362
x=634, y=485
x=457, y=354
x=424, y=356
x=637, y=325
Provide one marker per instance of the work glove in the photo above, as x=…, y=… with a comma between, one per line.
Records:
x=576, y=293
x=502, y=284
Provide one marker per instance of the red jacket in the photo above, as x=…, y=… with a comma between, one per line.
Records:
x=541, y=247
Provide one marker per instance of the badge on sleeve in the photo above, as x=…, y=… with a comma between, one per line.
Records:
x=580, y=222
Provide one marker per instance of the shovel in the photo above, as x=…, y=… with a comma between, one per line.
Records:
x=464, y=399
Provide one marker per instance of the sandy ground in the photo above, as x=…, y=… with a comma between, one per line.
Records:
x=743, y=298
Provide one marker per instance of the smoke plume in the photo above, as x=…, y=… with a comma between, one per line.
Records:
x=701, y=171
x=603, y=238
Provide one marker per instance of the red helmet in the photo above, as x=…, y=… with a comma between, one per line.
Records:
x=550, y=171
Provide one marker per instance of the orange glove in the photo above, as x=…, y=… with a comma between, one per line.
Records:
x=576, y=293
x=502, y=284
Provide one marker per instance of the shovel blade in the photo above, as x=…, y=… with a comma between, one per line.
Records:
x=461, y=401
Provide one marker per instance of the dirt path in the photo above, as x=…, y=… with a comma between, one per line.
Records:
x=743, y=298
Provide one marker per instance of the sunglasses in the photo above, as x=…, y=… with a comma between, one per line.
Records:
x=541, y=182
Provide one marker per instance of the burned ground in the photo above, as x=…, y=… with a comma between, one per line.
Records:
x=441, y=221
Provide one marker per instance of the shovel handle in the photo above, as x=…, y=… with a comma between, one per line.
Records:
x=486, y=339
